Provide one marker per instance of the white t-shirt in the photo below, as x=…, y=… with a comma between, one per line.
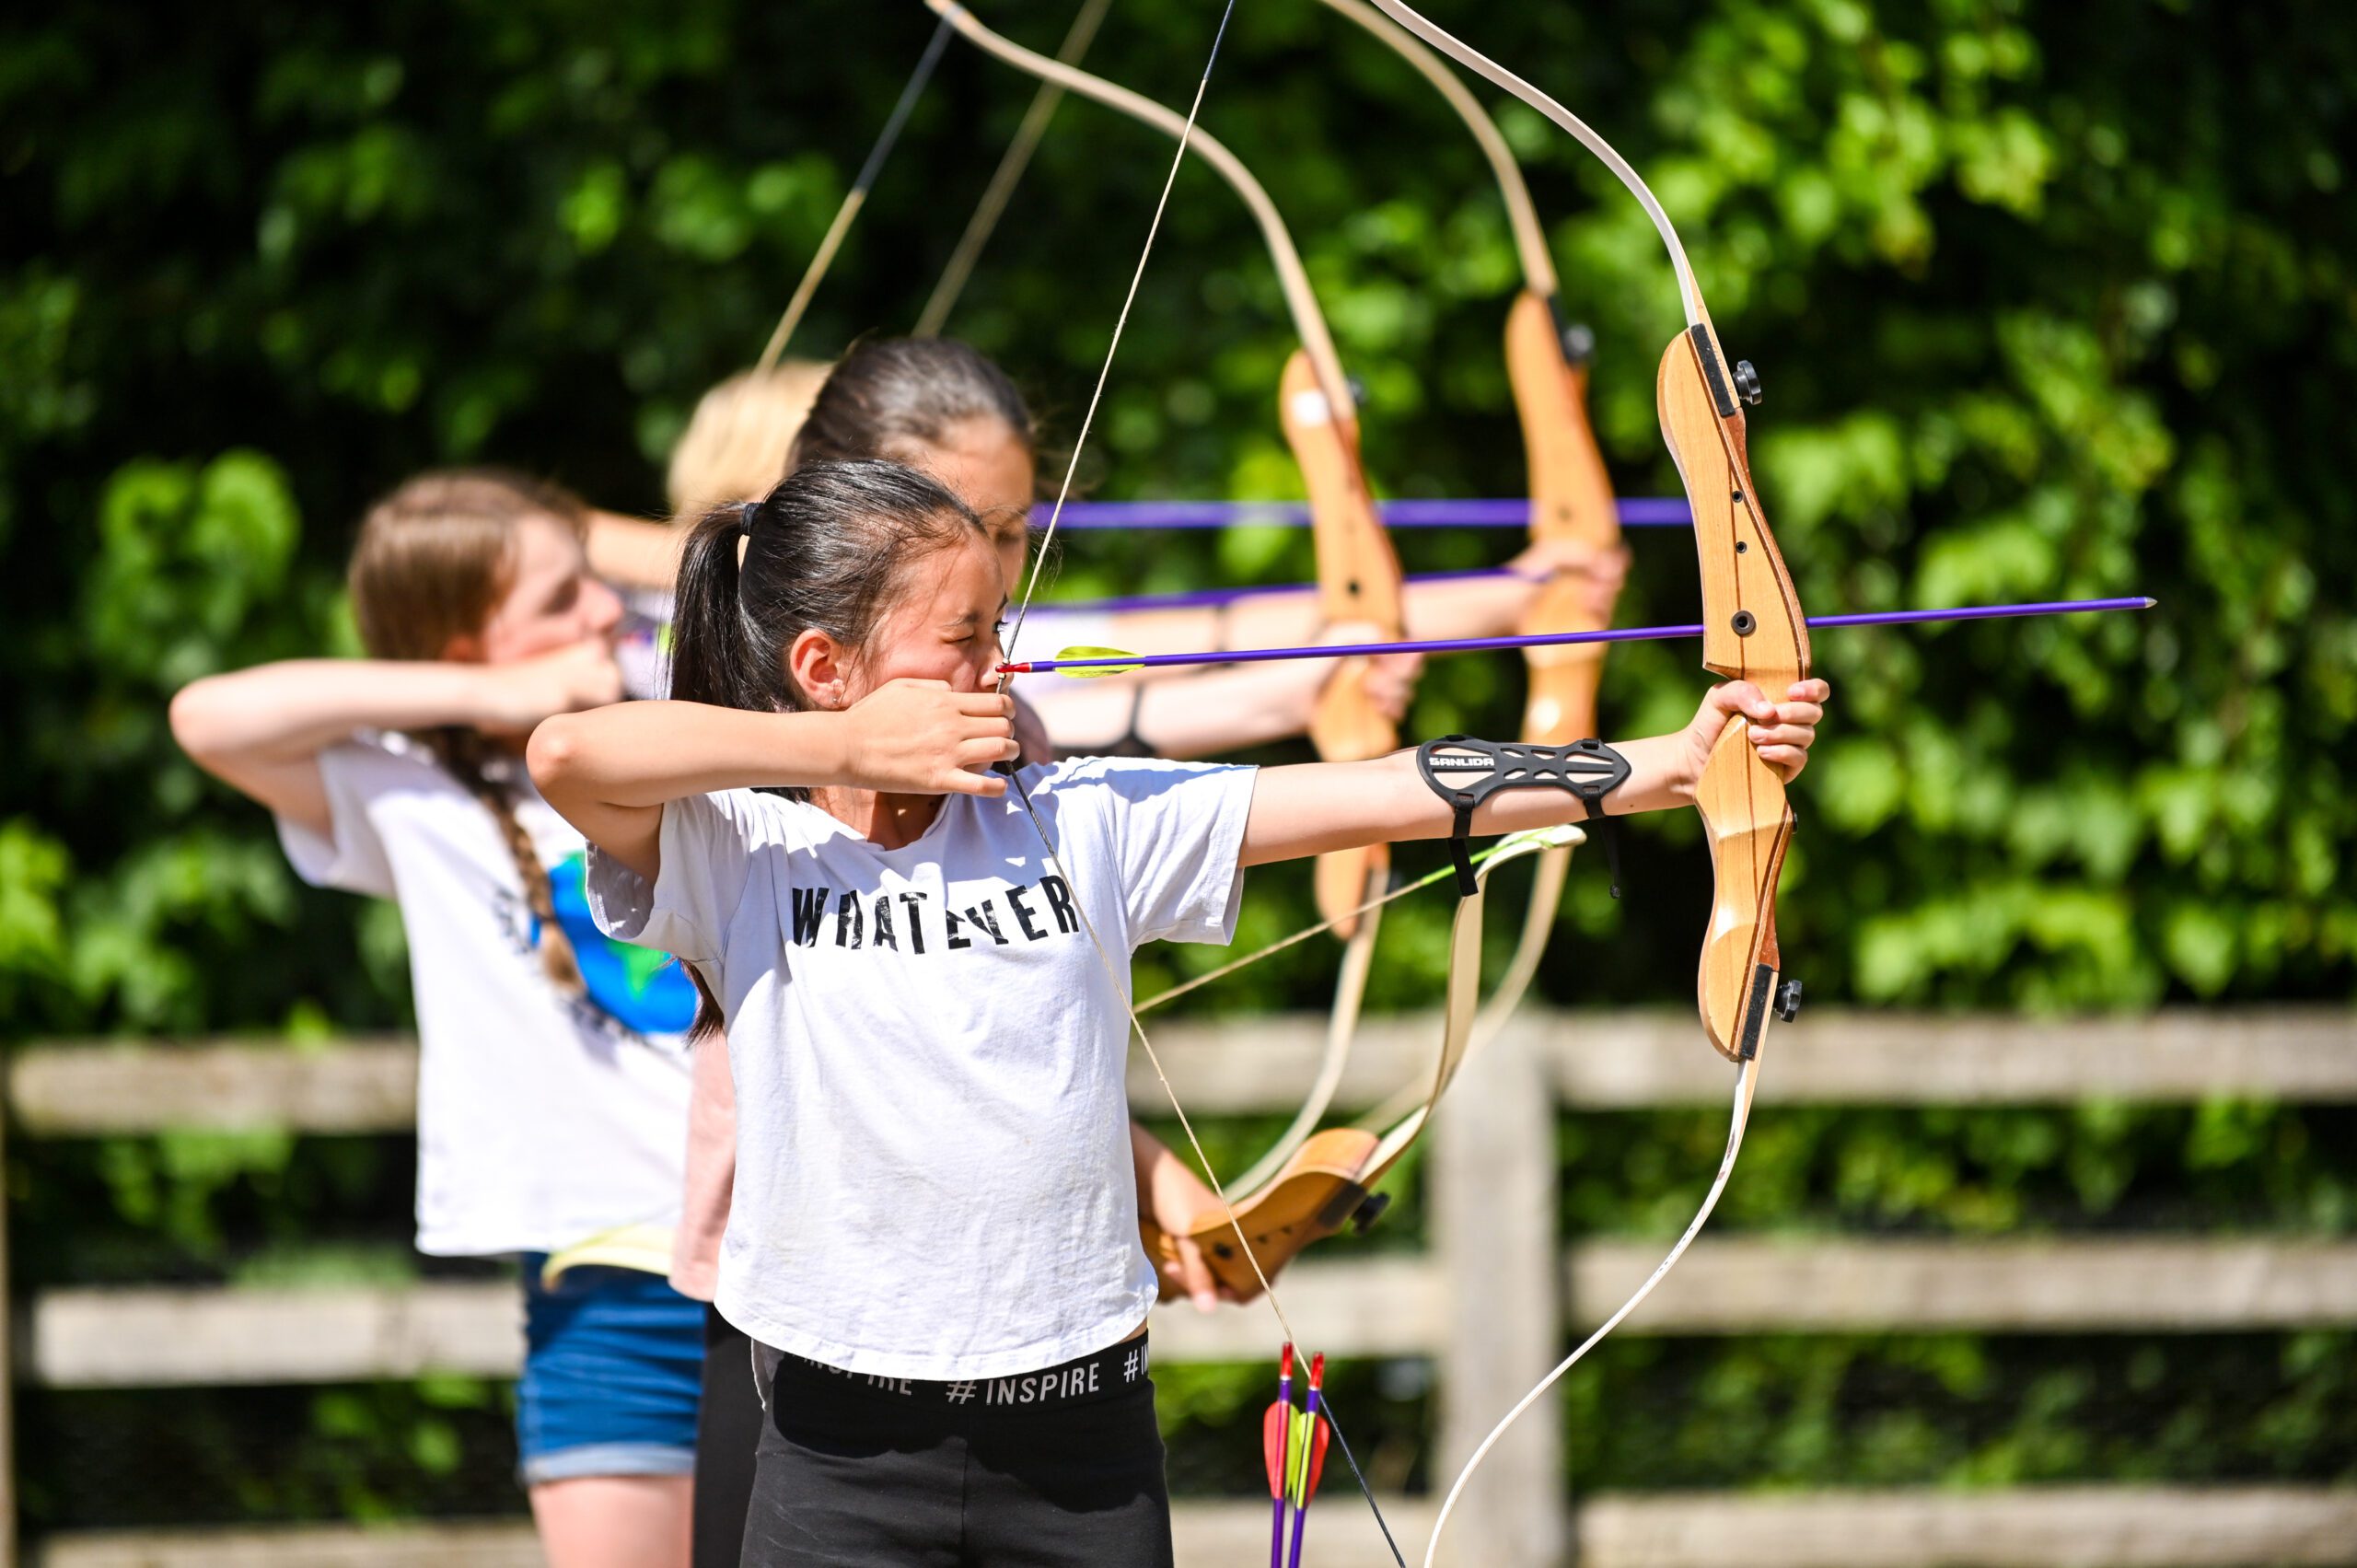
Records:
x=934, y=1176
x=542, y=1119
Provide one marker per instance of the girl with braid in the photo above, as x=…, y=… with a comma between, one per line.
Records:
x=553, y=1080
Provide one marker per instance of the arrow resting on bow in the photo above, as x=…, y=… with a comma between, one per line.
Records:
x=1083, y=662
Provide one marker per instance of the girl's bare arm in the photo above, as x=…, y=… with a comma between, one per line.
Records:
x=633, y=553
x=1469, y=607
x=1319, y=807
x=260, y=731
x=609, y=773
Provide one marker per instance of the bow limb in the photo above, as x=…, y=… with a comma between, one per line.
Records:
x=1754, y=630
x=987, y=211
x=1293, y=278
x=1571, y=493
x=854, y=199
x=1571, y=499
x=1327, y=1183
x=1473, y=59
x=1117, y=970
x=1522, y=213
x=1358, y=582
x=1341, y=1029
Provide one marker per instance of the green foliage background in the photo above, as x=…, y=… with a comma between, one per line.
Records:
x=2050, y=301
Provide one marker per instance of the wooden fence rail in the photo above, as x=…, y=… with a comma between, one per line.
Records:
x=145, y=1337
x=1490, y=1305
x=1597, y=1062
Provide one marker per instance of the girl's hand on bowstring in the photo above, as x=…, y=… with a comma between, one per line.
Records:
x=1782, y=732
x=517, y=696
x=1390, y=678
x=922, y=737
x=1599, y=570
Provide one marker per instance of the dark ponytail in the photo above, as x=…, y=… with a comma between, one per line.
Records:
x=827, y=549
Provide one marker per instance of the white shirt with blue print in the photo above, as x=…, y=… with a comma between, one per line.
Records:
x=542, y=1118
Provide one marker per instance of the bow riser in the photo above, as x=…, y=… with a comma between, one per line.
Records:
x=1752, y=631
x=1315, y=1195
x=1571, y=498
x=1358, y=580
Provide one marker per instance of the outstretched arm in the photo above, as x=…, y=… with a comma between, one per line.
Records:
x=1315, y=807
x=1469, y=607
x=1215, y=710
x=609, y=773
x=631, y=553
x=261, y=730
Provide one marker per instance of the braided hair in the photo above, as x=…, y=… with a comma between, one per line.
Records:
x=433, y=560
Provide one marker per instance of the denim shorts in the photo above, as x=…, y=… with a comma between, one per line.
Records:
x=613, y=1363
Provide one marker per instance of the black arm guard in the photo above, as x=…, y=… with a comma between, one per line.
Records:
x=1465, y=773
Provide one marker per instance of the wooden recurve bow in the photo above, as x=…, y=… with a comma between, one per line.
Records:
x=1754, y=630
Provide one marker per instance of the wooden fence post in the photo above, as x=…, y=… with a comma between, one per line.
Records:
x=7, y=1375
x=1493, y=1203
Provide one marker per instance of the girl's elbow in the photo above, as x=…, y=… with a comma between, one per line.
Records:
x=553, y=754
x=197, y=720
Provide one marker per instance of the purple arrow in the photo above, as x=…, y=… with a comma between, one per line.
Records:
x=1637, y=512
x=1561, y=639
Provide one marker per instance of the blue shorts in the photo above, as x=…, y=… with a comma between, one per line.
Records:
x=613, y=1363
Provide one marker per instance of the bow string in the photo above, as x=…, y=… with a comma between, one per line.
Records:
x=1358, y=581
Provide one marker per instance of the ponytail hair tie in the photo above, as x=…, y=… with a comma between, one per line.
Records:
x=745, y=516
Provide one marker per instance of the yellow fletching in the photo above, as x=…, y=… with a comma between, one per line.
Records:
x=1097, y=672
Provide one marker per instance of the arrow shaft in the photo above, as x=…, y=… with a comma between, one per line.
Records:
x=1305, y=1461
x=1448, y=512
x=1562, y=639
x=1211, y=599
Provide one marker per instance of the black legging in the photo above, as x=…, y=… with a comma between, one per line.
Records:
x=728, y=1431
x=1061, y=1469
